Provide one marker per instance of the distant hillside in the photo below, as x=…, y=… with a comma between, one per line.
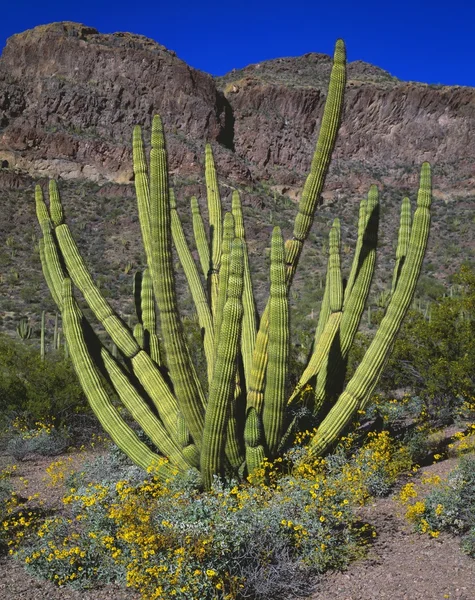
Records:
x=70, y=96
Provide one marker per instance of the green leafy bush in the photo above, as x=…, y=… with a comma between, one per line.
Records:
x=435, y=358
x=36, y=389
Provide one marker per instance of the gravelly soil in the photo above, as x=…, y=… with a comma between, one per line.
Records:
x=401, y=564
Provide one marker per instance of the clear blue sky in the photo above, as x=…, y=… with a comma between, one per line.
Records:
x=418, y=40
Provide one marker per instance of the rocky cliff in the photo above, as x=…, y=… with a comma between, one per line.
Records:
x=69, y=97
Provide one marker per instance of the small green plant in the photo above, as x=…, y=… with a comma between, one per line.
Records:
x=449, y=505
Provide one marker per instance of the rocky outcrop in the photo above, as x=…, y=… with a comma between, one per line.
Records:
x=70, y=96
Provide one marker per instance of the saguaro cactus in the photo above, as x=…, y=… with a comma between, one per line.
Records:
x=245, y=415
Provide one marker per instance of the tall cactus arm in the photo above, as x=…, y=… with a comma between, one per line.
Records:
x=187, y=388
x=99, y=400
x=403, y=241
x=308, y=203
x=249, y=319
x=50, y=260
x=142, y=191
x=356, y=393
x=195, y=285
x=228, y=236
x=334, y=268
x=224, y=377
x=149, y=316
x=325, y=144
x=273, y=412
x=47, y=274
x=215, y=223
x=359, y=244
x=331, y=377
x=201, y=240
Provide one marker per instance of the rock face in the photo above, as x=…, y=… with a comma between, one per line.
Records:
x=70, y=96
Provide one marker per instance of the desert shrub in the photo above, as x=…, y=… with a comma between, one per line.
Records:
x=291, y=520
x=44, y=439
x=435, y=358
x=35, y=389
x=449, y=505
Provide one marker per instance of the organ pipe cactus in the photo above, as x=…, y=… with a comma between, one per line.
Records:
x=245, y=414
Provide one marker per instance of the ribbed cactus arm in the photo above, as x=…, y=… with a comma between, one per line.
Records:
x=319, y=354
x=325, y=144
x=97, y=396
x=356, y=393
x=249, y=320
x=147, y=372
x=215, y=223
x=331, y=377
x=403, y=241
x=142, y=191
x=50, y=260
x=149, y=316
x=228, y=236
x=201, y=240
x=182, y=372
x=141, y=412
x=334, y=268
x=224, y=377
x=359, y=244
x=273, y=411
x=195, y=285
x=308, y=203
x=355, y=300
x=328, y=323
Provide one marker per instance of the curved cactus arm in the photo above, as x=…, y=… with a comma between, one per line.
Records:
x=50, y=261
x=403, y=241
x=201, y=240
x=224, y=377
x=187, y=388
x=273, y=410
x=249, y=319
x=356, y=393
x=146, y=371
x=97, y=396
x=149, y=317
x=46, y=273
x=195, y=285
x=334, y=370
x=215, y=224
x=55, y=206
x=141, y=412
x=223, y=278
